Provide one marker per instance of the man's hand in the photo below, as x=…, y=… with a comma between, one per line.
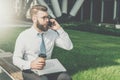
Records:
x=55, y=25
x=38, y=63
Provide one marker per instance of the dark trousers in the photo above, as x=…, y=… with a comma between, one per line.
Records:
x=54, y=76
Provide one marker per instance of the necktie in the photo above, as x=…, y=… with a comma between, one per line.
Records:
x=42, y=47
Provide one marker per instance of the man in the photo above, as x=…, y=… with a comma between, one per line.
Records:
x=27, y=48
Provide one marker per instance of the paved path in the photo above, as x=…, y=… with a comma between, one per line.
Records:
x=17, y=23
x=4, y=54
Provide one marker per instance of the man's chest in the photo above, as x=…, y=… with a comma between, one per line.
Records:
x=34, y=44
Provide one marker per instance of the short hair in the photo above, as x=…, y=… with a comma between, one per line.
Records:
x=34, y=10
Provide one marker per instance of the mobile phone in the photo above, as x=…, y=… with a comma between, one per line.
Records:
x=50, y=24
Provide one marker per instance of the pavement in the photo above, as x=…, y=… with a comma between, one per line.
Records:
x=5, y=54
x=16, y=23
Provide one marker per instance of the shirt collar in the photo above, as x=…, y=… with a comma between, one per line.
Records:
x=35, y=32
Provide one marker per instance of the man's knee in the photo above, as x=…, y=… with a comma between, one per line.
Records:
x=32, y=76
x=43, y=78
x=64, y=76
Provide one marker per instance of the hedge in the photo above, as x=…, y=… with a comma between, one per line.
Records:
x=89, y=27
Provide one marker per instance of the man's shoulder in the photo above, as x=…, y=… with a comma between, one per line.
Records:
x=25, y=32
x=50, y=31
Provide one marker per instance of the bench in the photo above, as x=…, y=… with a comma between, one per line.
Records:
x=6, y=63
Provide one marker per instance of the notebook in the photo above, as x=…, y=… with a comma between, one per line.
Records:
x=52, y=66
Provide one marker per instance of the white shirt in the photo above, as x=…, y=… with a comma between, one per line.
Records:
x=27, y=46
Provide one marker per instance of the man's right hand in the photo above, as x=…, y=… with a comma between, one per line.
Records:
x=38, y=63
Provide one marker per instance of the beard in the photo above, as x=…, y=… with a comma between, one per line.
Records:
x=42, y=27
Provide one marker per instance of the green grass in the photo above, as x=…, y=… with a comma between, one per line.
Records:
x=8, y=37
x=94, y=56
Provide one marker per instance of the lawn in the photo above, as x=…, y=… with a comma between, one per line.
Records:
x=94, y=56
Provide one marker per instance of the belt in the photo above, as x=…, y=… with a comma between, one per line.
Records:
x=27, y=71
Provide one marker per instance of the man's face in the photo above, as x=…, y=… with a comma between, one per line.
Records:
x=42, y=21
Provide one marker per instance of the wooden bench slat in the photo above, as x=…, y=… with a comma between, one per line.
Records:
x=6, y=63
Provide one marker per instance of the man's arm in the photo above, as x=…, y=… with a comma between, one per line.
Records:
x=63, y=39
x=18, y=55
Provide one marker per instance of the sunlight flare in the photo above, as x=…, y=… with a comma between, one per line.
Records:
x=6, y=12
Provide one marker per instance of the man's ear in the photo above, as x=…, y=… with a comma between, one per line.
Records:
x=34, y=18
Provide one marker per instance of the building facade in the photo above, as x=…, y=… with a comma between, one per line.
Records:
x=98, y=11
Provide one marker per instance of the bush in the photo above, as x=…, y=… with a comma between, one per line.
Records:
x=89, y=27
